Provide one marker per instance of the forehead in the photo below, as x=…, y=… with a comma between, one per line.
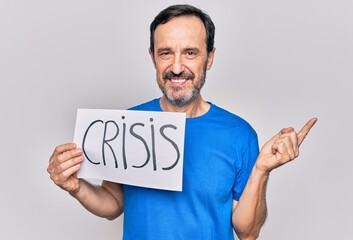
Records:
x=184, y=29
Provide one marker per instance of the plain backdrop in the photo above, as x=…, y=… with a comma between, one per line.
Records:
x=278, y=63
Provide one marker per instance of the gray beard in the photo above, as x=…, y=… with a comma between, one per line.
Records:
x=180, y=102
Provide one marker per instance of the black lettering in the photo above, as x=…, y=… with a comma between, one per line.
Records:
x=142, y=140
x=123, y=146
x=84, y=141
x=154, y=160
x=110, y=126
x=106, y=142
x=161, y=130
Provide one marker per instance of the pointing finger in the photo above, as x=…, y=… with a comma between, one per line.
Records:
x=305, y=130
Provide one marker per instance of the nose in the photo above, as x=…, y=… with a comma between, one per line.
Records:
x=177, y=65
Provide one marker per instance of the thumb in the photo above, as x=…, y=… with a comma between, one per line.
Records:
x=268, y=146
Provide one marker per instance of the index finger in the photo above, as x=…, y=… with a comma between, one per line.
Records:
x=305, y=130
x=63, y=148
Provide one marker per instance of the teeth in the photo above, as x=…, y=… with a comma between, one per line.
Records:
x=178, y=80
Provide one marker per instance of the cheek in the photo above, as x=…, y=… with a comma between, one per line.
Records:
x=160, y=70
x=196, y=67
x=162, y=64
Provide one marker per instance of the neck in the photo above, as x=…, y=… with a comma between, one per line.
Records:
x=195, y=108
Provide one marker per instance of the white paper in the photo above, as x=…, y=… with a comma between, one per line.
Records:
x=140, y=148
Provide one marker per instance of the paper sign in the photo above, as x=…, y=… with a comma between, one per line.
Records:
x=139, y=148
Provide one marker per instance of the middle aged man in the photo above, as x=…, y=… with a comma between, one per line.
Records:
x=224, y=177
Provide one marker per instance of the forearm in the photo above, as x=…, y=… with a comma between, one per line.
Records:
x=99, y=200
x=250, y=212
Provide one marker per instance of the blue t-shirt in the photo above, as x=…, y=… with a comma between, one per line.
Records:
x=219, y=153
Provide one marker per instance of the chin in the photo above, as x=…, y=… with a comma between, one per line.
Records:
x=181, y=101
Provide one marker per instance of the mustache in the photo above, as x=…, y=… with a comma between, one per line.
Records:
x=184, y=74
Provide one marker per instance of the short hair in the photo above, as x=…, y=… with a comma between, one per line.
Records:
x=184, y=10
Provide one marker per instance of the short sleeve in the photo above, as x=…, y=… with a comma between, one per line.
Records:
x=247, y=160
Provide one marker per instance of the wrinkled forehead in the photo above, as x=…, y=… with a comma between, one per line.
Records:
x=181, y=29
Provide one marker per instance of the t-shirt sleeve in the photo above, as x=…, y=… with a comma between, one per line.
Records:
x=248, y=158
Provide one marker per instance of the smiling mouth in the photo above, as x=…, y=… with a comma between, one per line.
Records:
x=178, y=80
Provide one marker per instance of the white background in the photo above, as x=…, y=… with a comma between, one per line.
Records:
x=278, y=63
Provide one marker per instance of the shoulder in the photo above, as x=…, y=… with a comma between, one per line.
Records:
x=152, y=105
x=230, y=119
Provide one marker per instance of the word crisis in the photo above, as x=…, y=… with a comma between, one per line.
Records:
x=118, y=141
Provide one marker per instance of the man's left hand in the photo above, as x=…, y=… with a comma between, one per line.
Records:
x=282, y=148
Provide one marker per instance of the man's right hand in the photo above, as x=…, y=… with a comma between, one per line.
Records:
x=63, y=165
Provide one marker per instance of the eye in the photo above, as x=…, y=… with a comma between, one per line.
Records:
x=191, y=53
x=165, y=54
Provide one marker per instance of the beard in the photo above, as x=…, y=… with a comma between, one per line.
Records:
x=181, y=96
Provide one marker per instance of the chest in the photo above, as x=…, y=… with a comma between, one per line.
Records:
x=210, y=162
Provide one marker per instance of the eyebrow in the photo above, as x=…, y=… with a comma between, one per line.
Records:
x=163, y=50
x=192, y=49
x=184, y=50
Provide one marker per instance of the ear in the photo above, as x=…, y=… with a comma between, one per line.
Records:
x=210, y=58
x=152, y=57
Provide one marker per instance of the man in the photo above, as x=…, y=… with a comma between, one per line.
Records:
x=224, y=177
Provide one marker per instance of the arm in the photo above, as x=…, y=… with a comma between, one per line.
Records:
x=249, y=214
x=104, y=201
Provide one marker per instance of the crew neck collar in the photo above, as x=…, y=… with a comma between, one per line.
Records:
x=209, y=111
